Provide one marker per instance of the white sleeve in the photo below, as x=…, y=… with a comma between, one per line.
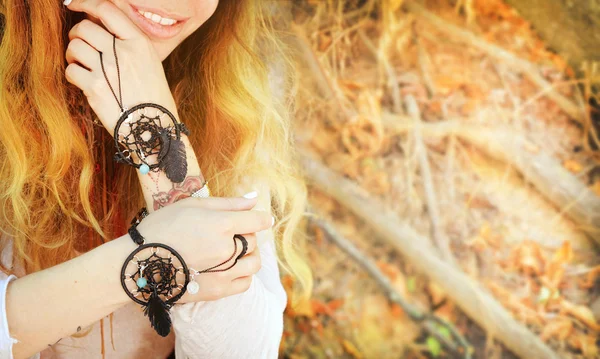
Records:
x=6, y=342
x=245, y=325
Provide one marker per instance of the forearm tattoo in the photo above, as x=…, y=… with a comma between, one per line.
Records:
x=179, y=191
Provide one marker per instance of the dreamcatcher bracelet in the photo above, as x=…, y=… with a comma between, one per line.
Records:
x=161, y=280
x=146, y=137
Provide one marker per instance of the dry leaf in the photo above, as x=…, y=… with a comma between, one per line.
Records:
x=389, y=270
x=581, y=312
x=397, y=311
x=318, y=234
x=564, y=254
x=335, y=304
x=317, y=326
x=436, y=292
x=596, y=187
x=527, y=257
x=351, y=85
x=369, y=105
x=322, y=142
x=522, y=310
x=555, y=269
x=303, y=308
x=318, y=307
x=377, y=183
x=486, y=238
x=447, y=311
x=585, y=343
x=395, y=4
x=573, y=166
x=590, y=278
x=379, y=332
x=475, y=201
x=560, y=329
x=324, y=41
x=351, y=349
x=399, y=284
x=343, y=163
x=362, y=137
x=530, y=147
x=448, y=83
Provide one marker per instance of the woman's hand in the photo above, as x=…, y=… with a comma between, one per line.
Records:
x=142, y=74
x=202, y=230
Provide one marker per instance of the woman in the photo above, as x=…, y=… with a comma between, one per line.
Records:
x=66, y=204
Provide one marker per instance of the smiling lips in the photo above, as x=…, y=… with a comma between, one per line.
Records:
x=157, y=18
x=161, y=26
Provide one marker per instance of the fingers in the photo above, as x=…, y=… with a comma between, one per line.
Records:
x=78, y=75
x=249, y=221
x=239, y=247
x=93, y=34
x=222, y=203
x=111, y=16
x=250, y=239
x=79, y=51
x=222, y=251
x=241, y=285
x=247, y=265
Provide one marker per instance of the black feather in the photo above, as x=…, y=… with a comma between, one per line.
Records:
x=165, y=144
x=174, y=160
x=158, y=312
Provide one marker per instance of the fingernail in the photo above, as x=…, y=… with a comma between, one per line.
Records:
x=67, y=2
x=251, y=195
x=272, y=221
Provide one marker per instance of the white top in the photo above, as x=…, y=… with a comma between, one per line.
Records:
x=246, y=325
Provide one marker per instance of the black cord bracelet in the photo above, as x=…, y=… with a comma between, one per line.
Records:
x=159, y=280
x=148, y=139
x=133, y=232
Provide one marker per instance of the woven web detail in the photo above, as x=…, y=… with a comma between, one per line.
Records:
x=146, y=137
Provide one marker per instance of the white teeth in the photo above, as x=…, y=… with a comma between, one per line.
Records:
x=164, y=21
x=157, y=18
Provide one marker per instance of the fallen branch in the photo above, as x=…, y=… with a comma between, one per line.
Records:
x=526, y=68
x=439, y=237
x=392, y=78
x=430, y=323
x=325, y=84
x=424, y=63
x=466, y=293
x=545, y=173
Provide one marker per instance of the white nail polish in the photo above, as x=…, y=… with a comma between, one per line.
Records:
x=251, y=195
x=67, y=2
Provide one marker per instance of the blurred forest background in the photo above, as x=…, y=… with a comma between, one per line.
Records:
x=451, y=151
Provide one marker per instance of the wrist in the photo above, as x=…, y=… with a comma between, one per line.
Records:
x=117, y=250
x=153, y=275
x=192, y=160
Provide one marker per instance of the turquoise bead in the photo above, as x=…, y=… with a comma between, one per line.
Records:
x=144, y=168
x=141, y=282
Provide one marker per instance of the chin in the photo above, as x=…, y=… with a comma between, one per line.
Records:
x=163, y=50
